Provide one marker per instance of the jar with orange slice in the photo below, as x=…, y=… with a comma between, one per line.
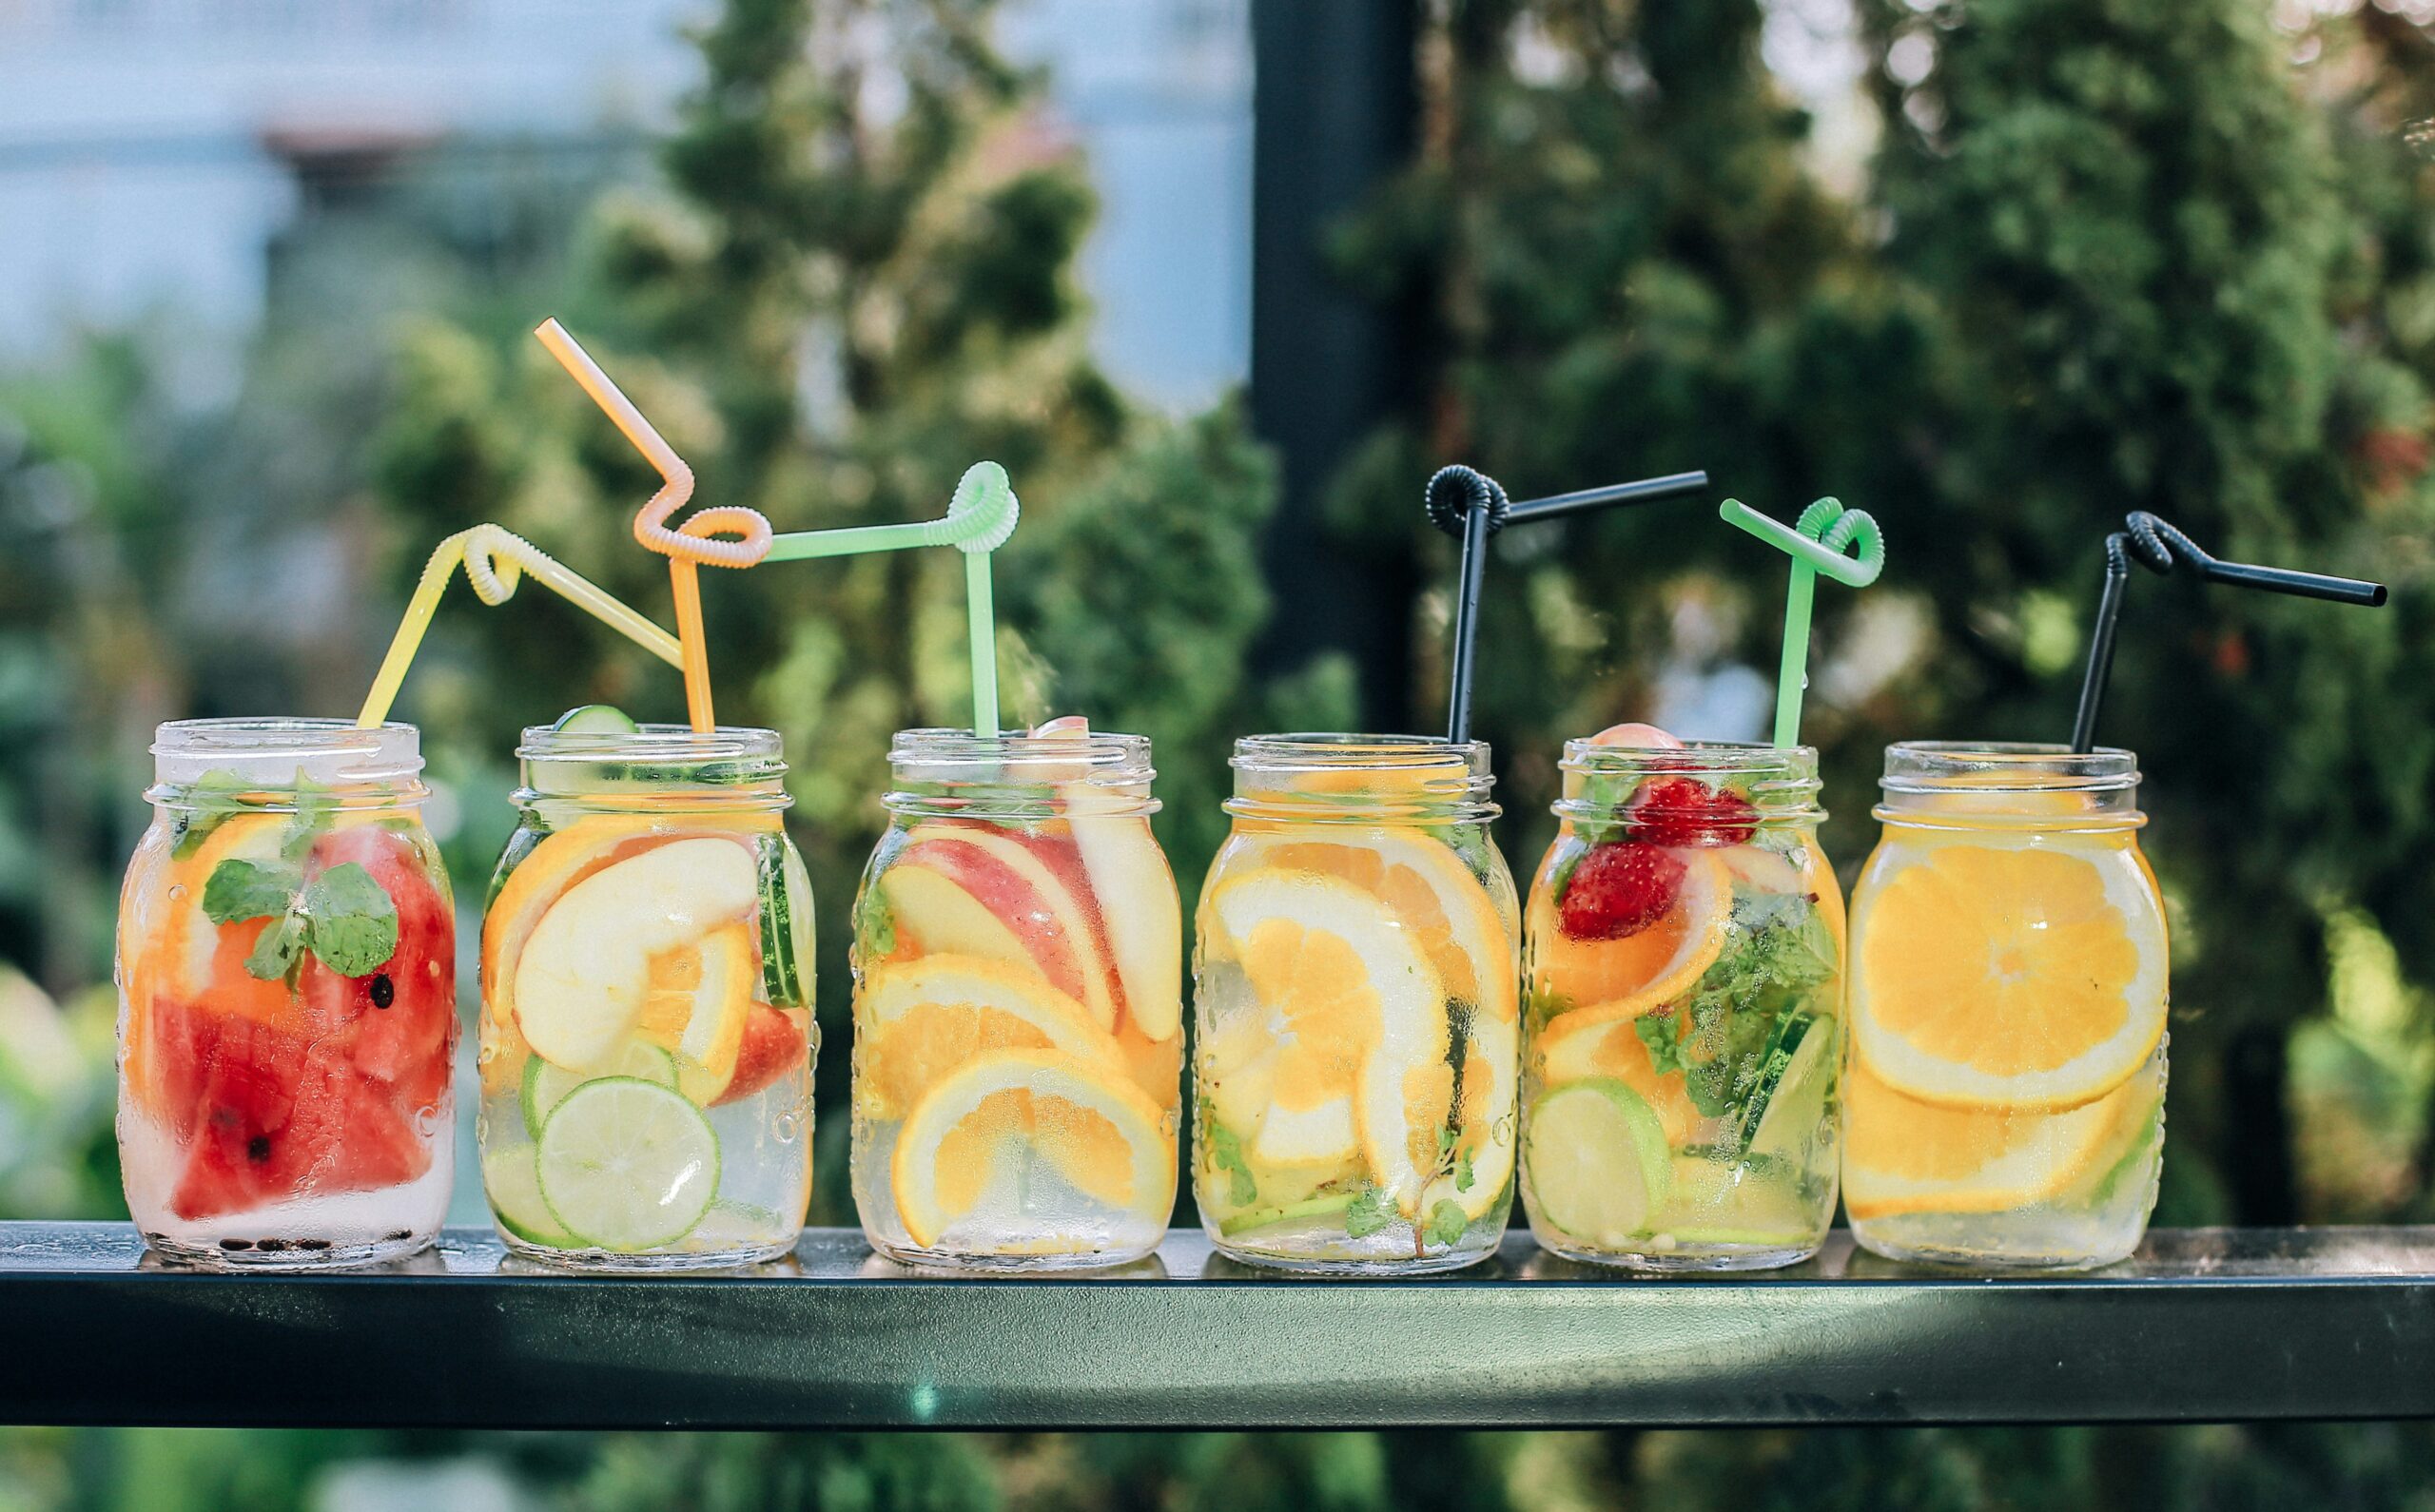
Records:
x=1018, y=1005
x=287, y=998
x=1682, y=1048
x=2006, y=1097
x=647, y=1037
x=1356, y=993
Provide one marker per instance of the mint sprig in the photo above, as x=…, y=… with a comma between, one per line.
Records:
x=1719, y=1039
x=352, y=923
x=1370, y=1211
x=342, y=915
x=1447, y=1222
x=1226, y=1151
x=239, y=890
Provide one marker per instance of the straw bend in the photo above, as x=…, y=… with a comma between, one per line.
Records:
x=1824, y=535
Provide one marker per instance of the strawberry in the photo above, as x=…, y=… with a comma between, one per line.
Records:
x=1619, y=889
x=1686, y=811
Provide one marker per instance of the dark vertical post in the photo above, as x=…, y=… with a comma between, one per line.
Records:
x=1332, y=106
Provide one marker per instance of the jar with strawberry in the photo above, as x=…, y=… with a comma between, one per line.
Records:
x=1682, y=1044
x=287, y=998
x=1355, y=994
x=647, y=1037
x=1018, y=1005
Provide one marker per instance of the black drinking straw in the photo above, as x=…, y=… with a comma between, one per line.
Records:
x=1471, y=506
x=2163, y=549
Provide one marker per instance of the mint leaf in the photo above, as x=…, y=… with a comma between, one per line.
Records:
x=315, y=804
x=1465, y=1177
x=209, y=801
x=1370, y=1211
x=1447, y=1222
x=275, y=954
x=1227, y=1151
x=239, y=890
x=354, y=924
x=1656, y=1031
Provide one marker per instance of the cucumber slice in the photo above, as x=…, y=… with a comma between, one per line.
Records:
x=1598, y=1161
x=786, y=925
x=546, y=1086
x=512, y=1181
x=1789, y=1101
x=627, y=1165
x=596, y=719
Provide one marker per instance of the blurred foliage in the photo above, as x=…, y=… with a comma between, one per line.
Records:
x=2108, y=255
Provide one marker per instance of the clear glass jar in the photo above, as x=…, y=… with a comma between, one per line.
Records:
x=1018, y=1006
x=287, y=998
x=2005, y=1101
x=1356, y=1004
x=647, y=1034
x=1682, y=1048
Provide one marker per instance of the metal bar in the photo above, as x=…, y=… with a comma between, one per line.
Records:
x=465, y=1337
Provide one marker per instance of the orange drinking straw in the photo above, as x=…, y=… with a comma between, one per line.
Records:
x=495, y=559
x=688, y=546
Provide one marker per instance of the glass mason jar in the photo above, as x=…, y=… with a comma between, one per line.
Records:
x=287, y=998
x=1355, y=998
x=2005, y=1102
x=1683, y=1047
x=647, y=1035
x=1018, y=1006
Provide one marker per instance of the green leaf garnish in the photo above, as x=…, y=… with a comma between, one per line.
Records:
x=1227, y=1151
x=1447, y=1222
x=277, y=951
x=1369, y=1213
x=1465, y=1177
x=209, y=801
x=237, y=890
x=1720, y=1038
x=354, y=922
x=315, y=804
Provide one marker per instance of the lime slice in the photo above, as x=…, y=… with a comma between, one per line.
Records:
x=1254, y=1220
x=512, y=1183
x=732, y=1225
x=627, y=1164
x=596, y=719
x=546, y=1086
x=1598, y=1161
x=1789, y=1103
x=1718, y=1202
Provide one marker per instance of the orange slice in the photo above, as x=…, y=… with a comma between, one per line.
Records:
x=1490, y=1082
x=1358, y=1015
x=695, y=1006
x=1640, y=973
x=2007, y=976
x=1448, y=909
x=917, y=1022
x=973, y=1133
x=1901, y=1155
x=1576, y=1047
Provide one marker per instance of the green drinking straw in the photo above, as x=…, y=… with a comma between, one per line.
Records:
x=1815, y=545
x=980, y=516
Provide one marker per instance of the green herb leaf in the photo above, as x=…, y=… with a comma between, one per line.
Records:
x=1465, y=1177
x=354, y=922
x=237, y=890
x=1227, y=1151
x=276, y=953
x=1657, y=1032
x=1370, y=1211
x=315, y=804
x=1447, y=1222
x=209, y=800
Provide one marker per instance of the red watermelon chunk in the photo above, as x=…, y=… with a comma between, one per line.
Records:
x=401, y=1021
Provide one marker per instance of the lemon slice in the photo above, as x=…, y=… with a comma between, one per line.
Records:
x=1491, y=1076
x=919, y=1020
x=2007, y=976
x=1643, y=972
x=1598, y=1162
x=1901, y=1155
x=1088, y=1123
x=1432, y=893
x=1359, y=1010
x=627, y=1165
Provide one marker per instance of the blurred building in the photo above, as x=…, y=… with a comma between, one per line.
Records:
x=151, y=151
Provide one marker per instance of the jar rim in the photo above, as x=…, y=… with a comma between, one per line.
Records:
x=662, y=744
x=1319, y=751
x=1007, y=753
x=277, y=752
x=2006, y=766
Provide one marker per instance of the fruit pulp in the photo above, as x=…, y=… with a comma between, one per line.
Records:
x=276, y=1112
x=647, y=1039
x=2009, y=995
x=1683, y=1038
x=1018, y=1039
x=1356, y=1069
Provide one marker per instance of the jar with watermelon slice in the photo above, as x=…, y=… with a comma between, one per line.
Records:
x=1682, y=1048
x=647, y=1036
x=1018, y=1005
x=287, y=998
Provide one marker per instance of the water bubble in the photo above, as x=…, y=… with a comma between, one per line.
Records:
x=177, y=892
x=787, y=1128
x=427, y=1123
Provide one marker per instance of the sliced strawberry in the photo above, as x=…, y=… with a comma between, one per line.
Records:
x=1686, y=811
x=1619, y=889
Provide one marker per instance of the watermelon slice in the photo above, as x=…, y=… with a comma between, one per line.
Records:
x=399, y=1021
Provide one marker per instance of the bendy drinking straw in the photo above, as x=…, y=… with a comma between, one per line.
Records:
x=2164, y=550
x=1815, y=545
x=685, y=547
x=495, y=559
x=1472, y=505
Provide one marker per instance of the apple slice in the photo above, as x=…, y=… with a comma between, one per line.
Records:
x=1135, y=893
x=584, y=979
x=1025, y=902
